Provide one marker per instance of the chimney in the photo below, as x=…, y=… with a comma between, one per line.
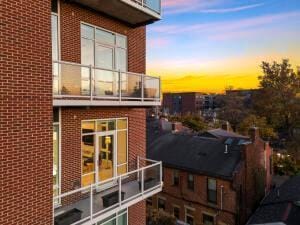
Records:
x=226, y=126
x=254, y=133
x=226, y=149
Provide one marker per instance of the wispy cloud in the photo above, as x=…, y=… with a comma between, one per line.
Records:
x=158, y=42
x=198, y=6
x=233, y=9
x=227, y=26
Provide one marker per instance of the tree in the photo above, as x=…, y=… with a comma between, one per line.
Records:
x=277, y=100
x=160, y=217
x=265, y=130
x=195, y=123
x=232, y=109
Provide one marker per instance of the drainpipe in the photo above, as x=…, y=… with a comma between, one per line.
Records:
x=222, y=187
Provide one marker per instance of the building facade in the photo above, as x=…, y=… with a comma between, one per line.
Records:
x=216, y=180
x=73, y=112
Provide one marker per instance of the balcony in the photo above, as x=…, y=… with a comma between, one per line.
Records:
x=101, y=200
x=132, y=12
x=82, y=85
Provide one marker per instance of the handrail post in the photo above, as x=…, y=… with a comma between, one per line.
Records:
x=120, y=85
x=91, y=82
x=143, y=78
x=161, y=172
x=91, y=202
x=138, y=167
x=142, y=182
x=120, y=191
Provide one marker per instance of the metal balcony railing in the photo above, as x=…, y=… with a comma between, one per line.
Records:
x=71, y=80
x=100, y=200
x=154, y=5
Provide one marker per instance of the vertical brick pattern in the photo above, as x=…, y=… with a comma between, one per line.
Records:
x=25, y=113
x=137, y=214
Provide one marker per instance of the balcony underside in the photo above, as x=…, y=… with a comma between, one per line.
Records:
x=128, y=11
x=130, y=189
x=87, y=102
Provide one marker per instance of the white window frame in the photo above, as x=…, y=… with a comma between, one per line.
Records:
x=59, y=157
x=114, y=47
x=114, y=132
x=187, y=214
x=209, y=214
x=116, y=217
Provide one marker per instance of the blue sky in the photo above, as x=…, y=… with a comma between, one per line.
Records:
x=221, y=42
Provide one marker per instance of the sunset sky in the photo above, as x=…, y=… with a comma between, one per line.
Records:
x=208, y=45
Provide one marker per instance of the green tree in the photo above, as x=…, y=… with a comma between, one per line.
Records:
x=277, y=100
x=195, y=123
x=265, y=130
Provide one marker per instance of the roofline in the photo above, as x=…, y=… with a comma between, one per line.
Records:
x=199, y=172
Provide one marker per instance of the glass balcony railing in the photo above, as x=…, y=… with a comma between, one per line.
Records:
x=72, y=80
x=96, y=201
x=154, y=5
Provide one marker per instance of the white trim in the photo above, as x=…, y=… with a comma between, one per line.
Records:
x=69, y=102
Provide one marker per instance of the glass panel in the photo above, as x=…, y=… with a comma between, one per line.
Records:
x=122, y=147
x=55, y=115
x=54, y=6
x=122, y=169
x=121, y=41
x=121, y=59
x=88, y=154
x=131, y=85
x=104, y=125
x=122, y=220
x=87, y=31
x=87, y=52
x=208, y=220
x=151, y=87
x=121, y=124
x=71, y=80
x=88, y=126
x=212, y=184
x=104, y=57
x=106, y=149
x=106, y=83
x=55, y=159
x=54, y=36
x=153, y=4
x=105, y=37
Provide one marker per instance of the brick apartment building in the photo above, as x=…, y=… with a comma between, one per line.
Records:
x=73, y=97
x=217, y=178
x=187, y=102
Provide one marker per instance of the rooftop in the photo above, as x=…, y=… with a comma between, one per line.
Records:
x=282, y=205
x=194, y=153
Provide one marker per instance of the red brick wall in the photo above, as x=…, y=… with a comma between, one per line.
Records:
x=182, y=196
x=70, y=17
x=25, y=113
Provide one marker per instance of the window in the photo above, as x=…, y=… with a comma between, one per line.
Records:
x=55, y=50
x=190, y=182
x=161, y=203
x=107, y=51
x=212, y=190
x=176, y=212
x=189, y=215
x=119, y=218
x=208, y=220
x=110, y=137
x=56, y=155
x=175, y=177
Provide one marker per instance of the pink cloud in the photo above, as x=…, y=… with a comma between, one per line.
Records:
x=158, y=42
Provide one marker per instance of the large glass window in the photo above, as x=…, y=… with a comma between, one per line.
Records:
x=175, y=177
x=212, y=190
x=161, y=203
x=55, y=51
x=190, y=182
x=107, y=51
x=119, y=218
x=208, y=219
x=56, y=158
x=104, y=149
x=189, y=216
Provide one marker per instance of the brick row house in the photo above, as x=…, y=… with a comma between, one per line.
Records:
x=217, y=178
x=73, y=103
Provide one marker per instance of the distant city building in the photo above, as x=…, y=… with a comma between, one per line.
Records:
x=187, y=103
x=216, y=178
x=281, y=206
